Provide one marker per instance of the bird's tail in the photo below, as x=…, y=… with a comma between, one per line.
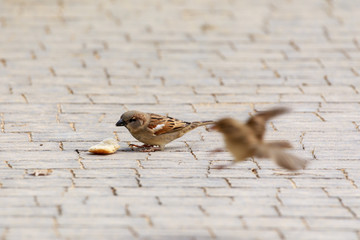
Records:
x=196, y=124
x=287, y=160
x=280, y=157
x=202, y=123
x=192, y=125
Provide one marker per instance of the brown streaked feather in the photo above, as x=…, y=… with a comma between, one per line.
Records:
x=258, y=122
x=170, y=124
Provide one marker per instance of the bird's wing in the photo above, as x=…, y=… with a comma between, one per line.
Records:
x=281, y=158
x=258, y=122
x=280, y=144
x=163, y=124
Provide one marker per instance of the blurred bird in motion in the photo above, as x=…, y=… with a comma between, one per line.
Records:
x=155, y=130
x=247, y=140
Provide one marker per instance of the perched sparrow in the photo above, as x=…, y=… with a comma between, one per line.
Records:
x=153, y=129
x=246, y=140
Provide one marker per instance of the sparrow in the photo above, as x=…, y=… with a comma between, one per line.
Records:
x=155, y=130
x=246, y=140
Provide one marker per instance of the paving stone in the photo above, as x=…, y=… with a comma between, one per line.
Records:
x=190, y=98
x=166, y=172
x=34, y=183
x=167, y=211
x=333, y=223
x=80, y=67
x=162, y=233
x=350, y=201
x=108, y=221
x=95, y=233
x=274, y=98
x=248, y=234
x=162, y=109
x=31, y=232
x=12, y=201
x=310, y=202
x=296, y=107
x=300, y=98
x=194, y=222
x=308, y=183
x=259, y=183
x=21, y=221
x=105, y=182
x=183, y=182
x=123, y=99
x=74, y=191
x=38, y=98
x=29, y=108
x=161, y=191
x=286, y=223
x=28, y=211
x=92, y=210
x=29, y=146
x=212, y=201
x=240, y=192
x=121, y=201
x=313, y=174
x=240, y=211
x=315, y=211
x=10, y=137
x=320, y=235
x=247, y=200
x=224, y=90
x=56, y=201
x=91, y=108
x=334, y=192
x=106, y=173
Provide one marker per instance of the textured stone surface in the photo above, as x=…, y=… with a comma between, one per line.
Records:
x=69, y=68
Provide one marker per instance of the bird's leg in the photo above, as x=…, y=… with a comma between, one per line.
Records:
x=220, y=167
x=216, y=150
x=224, y=166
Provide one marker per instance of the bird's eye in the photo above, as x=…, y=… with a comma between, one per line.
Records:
x=132, y=120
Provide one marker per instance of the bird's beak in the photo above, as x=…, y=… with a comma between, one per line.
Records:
x=120, y=123
x=214, y=128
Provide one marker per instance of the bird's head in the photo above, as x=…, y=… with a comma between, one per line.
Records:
x=132, y=120
x=225, y=125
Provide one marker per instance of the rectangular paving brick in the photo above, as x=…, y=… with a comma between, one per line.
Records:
x=81, y=66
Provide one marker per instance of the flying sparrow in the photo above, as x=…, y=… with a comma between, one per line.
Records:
x=246, y=140
x=153, y=129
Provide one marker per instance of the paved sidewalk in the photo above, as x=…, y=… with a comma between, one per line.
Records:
x=70, y=68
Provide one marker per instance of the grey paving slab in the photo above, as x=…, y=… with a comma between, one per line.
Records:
x=69, y=69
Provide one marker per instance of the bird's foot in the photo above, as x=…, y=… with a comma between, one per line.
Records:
x=145, y=148
x=150, y=149
x=139, y=146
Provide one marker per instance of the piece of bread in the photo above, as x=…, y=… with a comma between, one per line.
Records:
x=107, y=146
